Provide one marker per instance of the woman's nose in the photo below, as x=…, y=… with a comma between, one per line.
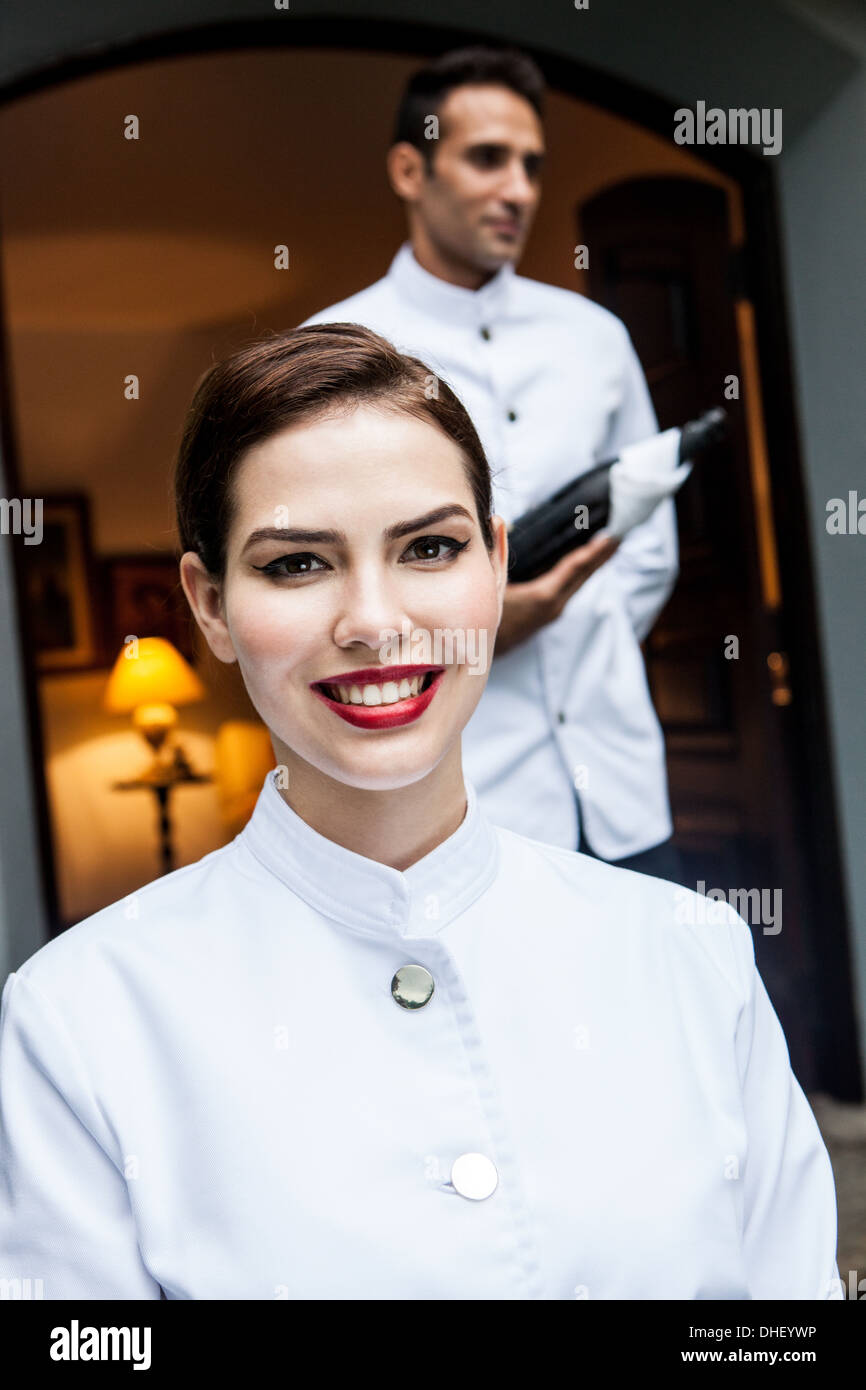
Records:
x=370, y=609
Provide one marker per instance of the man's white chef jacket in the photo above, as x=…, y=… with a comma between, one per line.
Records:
x=553, y=386
x=208, y=1088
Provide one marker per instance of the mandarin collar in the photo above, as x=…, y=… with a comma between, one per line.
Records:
x=362, y=894
x=438, y=297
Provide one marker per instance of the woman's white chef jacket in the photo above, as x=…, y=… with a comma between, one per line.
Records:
x=209, y=1089
x=566, y=729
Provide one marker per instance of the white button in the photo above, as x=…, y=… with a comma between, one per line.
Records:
x=474, y=1176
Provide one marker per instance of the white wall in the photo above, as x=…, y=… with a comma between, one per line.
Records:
x=22, y=910
x=823, y=198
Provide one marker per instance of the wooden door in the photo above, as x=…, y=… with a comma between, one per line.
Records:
x=660, y=258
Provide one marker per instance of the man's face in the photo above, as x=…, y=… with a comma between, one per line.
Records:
x=479, y=200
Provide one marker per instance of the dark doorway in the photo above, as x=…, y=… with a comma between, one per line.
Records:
x=723, y=680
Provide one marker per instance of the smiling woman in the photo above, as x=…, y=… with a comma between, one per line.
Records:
x=326, y=497
x=375, y=1012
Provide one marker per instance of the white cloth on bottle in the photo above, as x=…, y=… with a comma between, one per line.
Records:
x=644, y=475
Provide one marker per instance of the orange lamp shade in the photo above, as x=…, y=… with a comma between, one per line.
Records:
x=150, y=670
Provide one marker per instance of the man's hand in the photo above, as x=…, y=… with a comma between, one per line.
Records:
x=536, y=602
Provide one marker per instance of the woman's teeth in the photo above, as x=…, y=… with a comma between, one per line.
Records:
x=386, y=694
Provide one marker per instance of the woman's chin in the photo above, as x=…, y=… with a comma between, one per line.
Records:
x=384, y=768
x=388, y=766
x=372, y=758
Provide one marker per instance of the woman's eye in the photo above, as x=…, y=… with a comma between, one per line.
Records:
x=433, y=543
x=302, y=560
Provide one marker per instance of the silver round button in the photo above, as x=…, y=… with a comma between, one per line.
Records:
x=474, y=1176
x=412, y=986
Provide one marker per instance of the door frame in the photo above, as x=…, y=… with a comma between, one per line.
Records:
x=764, y=286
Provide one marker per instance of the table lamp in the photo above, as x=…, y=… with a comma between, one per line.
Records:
x=149, y=678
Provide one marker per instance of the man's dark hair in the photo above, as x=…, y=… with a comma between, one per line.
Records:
x=428, y=87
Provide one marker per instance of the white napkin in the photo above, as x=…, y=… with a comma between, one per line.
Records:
x=642, y=476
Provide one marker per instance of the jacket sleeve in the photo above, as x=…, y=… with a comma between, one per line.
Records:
x=789, y=1196
x=646, y=565
x=65, y=1214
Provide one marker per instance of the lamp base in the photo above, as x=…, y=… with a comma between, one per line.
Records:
x=161, y=777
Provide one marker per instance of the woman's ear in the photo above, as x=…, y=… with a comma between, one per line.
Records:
x=204, y=596
x=499, y=557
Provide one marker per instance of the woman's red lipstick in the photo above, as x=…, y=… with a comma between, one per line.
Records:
x=381, y=716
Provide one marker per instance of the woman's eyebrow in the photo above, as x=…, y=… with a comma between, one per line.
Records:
x=298, y=535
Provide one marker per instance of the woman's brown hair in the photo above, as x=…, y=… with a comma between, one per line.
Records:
x=282, y=379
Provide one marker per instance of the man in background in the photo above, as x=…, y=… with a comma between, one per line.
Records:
x=565, y=745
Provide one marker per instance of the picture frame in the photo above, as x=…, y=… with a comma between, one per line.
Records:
x=61, y=589
x=143, y=596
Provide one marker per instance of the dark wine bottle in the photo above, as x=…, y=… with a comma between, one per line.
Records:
x=544, y=534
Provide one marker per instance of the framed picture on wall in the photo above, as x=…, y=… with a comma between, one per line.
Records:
x=143, y=597
x=62, y=601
